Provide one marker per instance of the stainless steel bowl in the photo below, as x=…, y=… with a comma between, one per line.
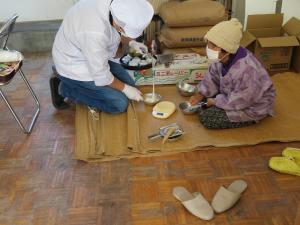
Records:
x=149, y=99
x=186, y=89
x=187, y=108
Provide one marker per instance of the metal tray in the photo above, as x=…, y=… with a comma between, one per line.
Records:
x=164, y=130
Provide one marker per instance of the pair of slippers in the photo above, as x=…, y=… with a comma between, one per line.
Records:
x=289, y=162
x=223, y=200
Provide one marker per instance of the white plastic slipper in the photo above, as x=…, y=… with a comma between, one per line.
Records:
x=225, y=198
x=194, y=203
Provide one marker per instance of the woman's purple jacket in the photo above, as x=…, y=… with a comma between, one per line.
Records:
x=243, y=88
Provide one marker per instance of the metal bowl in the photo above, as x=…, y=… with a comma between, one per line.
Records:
x=149, y=99
x=187, y=108
x=185, y=89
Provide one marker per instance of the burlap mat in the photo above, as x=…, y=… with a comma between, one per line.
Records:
x=125, y=136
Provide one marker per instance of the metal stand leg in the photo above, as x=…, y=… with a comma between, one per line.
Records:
x=27, y=131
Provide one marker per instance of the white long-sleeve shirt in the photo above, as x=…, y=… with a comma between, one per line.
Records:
x=85, y=42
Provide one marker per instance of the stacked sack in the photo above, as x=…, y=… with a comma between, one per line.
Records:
x=157, y=4
x=187, y=22
x=154, y=27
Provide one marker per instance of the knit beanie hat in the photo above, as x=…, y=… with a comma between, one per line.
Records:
x=226, y=35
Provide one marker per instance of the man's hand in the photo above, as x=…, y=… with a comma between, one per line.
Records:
x=138, y=47
x=196, y=98
x=132, y=93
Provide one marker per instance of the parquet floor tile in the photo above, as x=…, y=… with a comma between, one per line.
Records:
x=41, y=184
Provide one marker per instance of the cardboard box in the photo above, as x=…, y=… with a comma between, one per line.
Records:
x=292, y=28
x=272, y=46
x=186, y=67
x=248, y=41
x=198, y=50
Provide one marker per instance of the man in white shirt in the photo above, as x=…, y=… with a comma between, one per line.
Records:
x=85, y=44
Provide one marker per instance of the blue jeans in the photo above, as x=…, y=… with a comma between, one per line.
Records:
x=104, y=98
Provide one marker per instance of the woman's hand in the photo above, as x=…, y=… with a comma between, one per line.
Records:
x=196, y=98
x=211, y=102
x=201, y=76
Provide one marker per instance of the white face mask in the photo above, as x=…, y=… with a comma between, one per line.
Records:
x=212, y=54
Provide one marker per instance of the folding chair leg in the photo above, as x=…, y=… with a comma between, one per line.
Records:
x=27, y=131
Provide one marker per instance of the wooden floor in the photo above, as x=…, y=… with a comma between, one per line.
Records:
x=42, y=185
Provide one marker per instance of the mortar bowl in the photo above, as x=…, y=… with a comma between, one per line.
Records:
x=187, y=108
x=185, y=89
x=149, y=99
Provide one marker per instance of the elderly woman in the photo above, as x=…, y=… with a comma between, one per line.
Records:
x=237, y=88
